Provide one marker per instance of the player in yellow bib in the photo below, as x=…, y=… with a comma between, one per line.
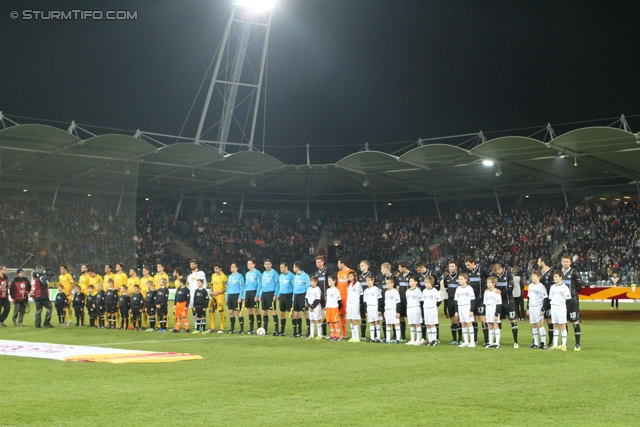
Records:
x=218, y=297
x=108, y=274
x=94, y=279
x=132, y=281
x=119, y=279
x=83, y=280
x=66, y=280
x=146, y=276
x=159, y=276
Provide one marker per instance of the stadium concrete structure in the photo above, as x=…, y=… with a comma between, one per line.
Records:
x=589, y=162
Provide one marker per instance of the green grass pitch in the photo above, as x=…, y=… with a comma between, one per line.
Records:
x=275, y=381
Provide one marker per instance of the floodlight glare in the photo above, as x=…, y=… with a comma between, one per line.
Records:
x=487, y=162
x=256, y=4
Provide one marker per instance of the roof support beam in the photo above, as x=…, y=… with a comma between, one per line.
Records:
x=233, y=178
x=21, y=163
x=180, y=169
x=594, y=161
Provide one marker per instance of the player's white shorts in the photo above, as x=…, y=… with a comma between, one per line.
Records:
x=372, y=313
x=463, y=314
x=490, y=314
x=316, y=313
x=558, y=314
x=390, y=317
x=431, y=316
x=414, y=315
x=534, y=315
x=353, y=311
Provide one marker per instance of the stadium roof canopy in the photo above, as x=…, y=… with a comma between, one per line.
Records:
x=589, y=160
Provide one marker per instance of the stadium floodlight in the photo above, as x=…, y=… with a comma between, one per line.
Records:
x=487, y=162
x=259, y=5
x=224, y=203
x=389, y=203
x=253, y=182
x=25, y=190
x=575, y=161
x=499, y=171
x=365, y=183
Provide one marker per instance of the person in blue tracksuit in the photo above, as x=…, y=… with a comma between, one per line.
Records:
x=301, y=283
x=285, y=294
x=235, y=295
x=252, y=282
x=268, y=292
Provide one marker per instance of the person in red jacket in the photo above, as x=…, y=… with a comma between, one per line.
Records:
x=5, y=305
x=40, y=295
x=19, y=291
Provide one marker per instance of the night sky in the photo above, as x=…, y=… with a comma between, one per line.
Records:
x=341, y=72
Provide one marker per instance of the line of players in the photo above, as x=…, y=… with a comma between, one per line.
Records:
x=262, y=290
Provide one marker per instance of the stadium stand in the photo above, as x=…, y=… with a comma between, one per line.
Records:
x=602, y=237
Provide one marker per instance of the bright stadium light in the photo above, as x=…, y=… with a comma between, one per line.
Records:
x=256, y=4
x=25, y=190
x=487, y=162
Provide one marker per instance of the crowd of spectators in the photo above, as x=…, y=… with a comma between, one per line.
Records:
x=222, y=238
x=74, y=232
x=603, y=238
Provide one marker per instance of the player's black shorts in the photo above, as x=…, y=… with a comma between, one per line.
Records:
x=151, y=310
x=111, y=308
x=98, y=311
x=162, y=311
x=480, y=309
x=60, y=309
x=547, y=314
x=267, y=302
x=298, y=302
x=286, y=302
x=232, y=301
x=124, y=313
x=508, y=310
x=77, y=309
x=451, y=307
x=573, y=310
x=403, y=300
x=200, y=310
x=250, y=299
x=135, y=312
x=363, y=308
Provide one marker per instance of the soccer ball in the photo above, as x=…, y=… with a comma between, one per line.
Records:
x=260, y=332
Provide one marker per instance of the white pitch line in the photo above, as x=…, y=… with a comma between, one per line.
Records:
x=155, y=341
